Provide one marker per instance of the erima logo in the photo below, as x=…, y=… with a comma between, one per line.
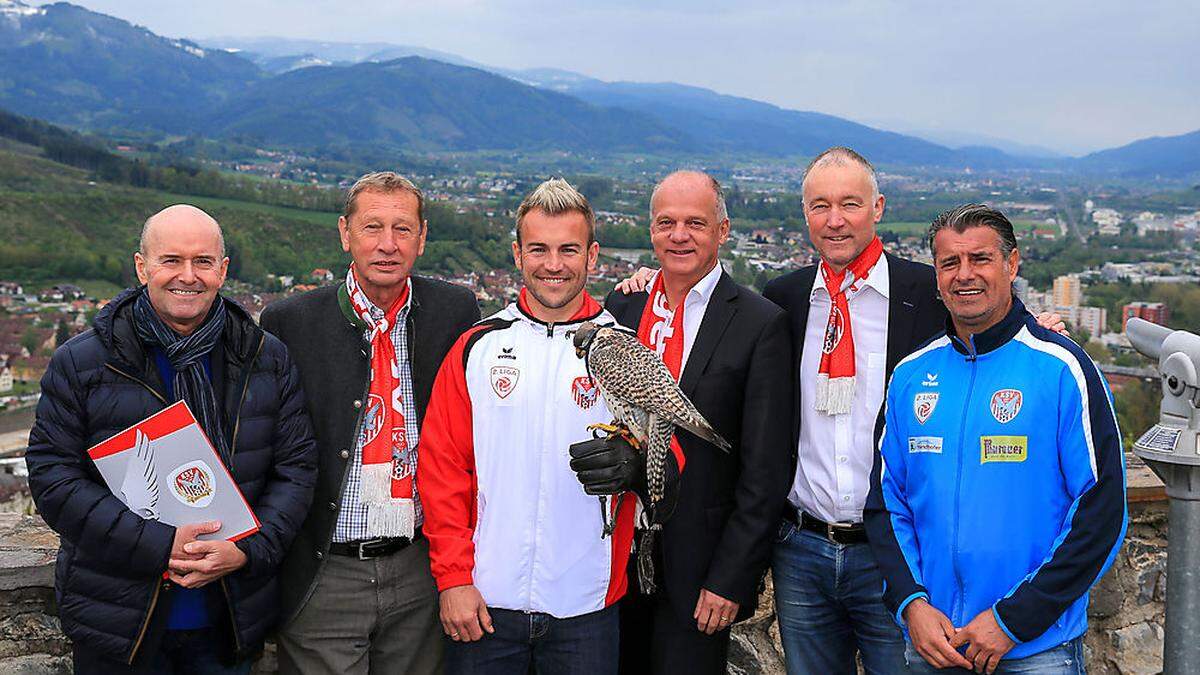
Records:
x=1003, y=449
x=930, y=380
x=507, y=353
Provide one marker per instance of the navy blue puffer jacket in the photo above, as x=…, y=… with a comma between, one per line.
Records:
x=109, y=579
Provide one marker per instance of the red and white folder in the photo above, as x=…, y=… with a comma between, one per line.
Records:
x=164, y=468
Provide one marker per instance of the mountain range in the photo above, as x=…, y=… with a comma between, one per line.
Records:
x=69, y=65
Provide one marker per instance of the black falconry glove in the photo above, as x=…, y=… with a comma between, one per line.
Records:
x=609, y=466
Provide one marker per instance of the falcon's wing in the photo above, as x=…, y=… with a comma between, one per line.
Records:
x=636, y=375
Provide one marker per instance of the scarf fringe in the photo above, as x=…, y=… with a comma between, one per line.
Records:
x=834, y=396
x=376, y=483
x=387, y=516
x=391, y=520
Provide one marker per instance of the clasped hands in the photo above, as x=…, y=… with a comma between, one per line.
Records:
x=195, y=563
x=937, y=640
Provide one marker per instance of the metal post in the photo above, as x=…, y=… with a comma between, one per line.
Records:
x=1172, y=449
x=1182, y=649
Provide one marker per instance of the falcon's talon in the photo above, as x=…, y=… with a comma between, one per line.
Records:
x=616, y=429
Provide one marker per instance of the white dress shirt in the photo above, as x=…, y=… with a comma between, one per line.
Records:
x=836, y=452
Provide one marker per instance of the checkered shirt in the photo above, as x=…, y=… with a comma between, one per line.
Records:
x=352, y=517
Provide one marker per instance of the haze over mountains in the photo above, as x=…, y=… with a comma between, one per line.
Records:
x=72, y=66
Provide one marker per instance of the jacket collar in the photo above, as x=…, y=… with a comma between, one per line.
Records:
x=722, y=306
x=590, y=309
x=993, y=338
x=343, y=299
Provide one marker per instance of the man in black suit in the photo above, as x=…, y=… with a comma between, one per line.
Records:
x=732, y=352
x=853, y=316
x=358, y=593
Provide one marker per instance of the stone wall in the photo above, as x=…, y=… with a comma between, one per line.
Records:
x=1126, y=613
x=30, y=640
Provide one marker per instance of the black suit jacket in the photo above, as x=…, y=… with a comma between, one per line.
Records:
x=332, y=357
x=915, y=314
x=739, y=375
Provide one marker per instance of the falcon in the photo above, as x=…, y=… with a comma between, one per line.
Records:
x=643, y=397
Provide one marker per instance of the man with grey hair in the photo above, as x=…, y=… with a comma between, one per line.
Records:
x=135, y=594
x=359, y=596
x=730, y=349
x=528, y=582
x=854, y=315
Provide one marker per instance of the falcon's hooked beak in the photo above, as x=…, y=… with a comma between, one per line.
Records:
x=583, y=338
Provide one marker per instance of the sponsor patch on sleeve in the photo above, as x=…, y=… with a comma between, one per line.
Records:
x=931, y=444
x=1003, y=449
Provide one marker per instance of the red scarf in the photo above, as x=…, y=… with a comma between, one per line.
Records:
x=388, y=464
x=661, y=329
x=835, y=377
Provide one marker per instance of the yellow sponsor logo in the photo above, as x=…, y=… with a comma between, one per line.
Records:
x=1003, y=449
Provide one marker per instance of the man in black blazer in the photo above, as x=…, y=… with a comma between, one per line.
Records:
x=358, y=593
x=736, y=367
x=828, y=589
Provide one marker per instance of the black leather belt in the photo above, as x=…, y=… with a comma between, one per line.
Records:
x=838, y=533
x=373, y=548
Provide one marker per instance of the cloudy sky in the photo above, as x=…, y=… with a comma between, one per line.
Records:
x=1070, y=75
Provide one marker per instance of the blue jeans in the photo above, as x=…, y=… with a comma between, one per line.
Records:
x=181, y=652
x=1065, y=659
x=532, y=642
x=829, y=599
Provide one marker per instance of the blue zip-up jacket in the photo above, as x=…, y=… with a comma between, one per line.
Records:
x=999, y=482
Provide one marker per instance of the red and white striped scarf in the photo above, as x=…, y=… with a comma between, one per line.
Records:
x=388, y=464
x=836, y=375
x=661, y=329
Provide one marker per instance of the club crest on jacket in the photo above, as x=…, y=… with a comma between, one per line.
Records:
x=1006, y=405
x=585, y=392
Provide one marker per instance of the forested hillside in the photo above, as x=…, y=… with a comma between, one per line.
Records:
x=71, y=209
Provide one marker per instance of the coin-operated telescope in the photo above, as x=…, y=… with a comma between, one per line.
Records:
x=1171, y=449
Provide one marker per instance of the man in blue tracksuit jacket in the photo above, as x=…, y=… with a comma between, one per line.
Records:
x=998, y=496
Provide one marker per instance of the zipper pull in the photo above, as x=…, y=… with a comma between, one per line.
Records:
x=550, y=329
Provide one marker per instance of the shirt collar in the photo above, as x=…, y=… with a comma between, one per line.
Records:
x=879, y=278
x=377, y=313
x=707, y=284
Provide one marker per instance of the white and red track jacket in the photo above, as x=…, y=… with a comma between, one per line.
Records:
x=503, y=510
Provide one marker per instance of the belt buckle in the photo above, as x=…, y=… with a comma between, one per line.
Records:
x=829, y=530
x=362, y=549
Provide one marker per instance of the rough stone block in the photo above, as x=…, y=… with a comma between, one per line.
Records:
x=36, y=664
x=1138, y=649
